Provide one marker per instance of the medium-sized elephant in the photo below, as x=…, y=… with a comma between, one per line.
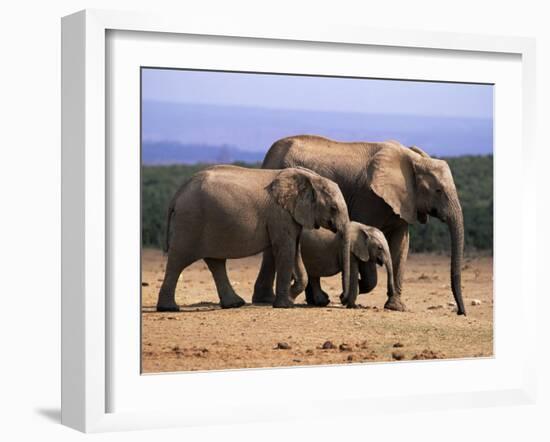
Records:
x=226, y=212
x=323, y=253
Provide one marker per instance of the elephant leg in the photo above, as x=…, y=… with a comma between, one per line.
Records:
x=284, y=264
x=228, y=297
x=369, y=276
x=315, y=294
x=167, y=294
x=399, y=248
x=263, y=288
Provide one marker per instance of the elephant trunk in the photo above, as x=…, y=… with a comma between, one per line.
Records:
x=346, y=256
x=300, y=274
x=456, y=229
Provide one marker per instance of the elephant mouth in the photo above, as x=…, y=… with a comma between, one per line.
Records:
x=422, y=217
x=380, y=261
x=316, y=225
x=434, y=213
x=332, y=227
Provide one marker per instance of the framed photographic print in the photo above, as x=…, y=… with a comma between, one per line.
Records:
x=251, y=211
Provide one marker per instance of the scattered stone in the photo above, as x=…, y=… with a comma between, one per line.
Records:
x=357, y=323
x=176, y=349
x=451, y=304
x=309, y=351
x=296, y=360
x=283, y=346
x=435, y=307
x=145, y=284
x=350, y=358
x=328, y=345
x=423, y=276
x=397, y=355
x=345, y=347
x=364, y=345
x=398, y=345
x=427, y=354
x=476, y=302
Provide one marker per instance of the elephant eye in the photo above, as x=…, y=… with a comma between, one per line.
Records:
x=438, y=190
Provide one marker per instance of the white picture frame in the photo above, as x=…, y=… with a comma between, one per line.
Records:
x=87, y=318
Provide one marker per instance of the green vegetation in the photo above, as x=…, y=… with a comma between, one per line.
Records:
x=473, y=177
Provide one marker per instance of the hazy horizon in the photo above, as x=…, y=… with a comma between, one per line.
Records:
x=251, y=111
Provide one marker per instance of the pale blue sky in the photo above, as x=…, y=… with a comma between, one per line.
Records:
x=251, y=111
x=318, y=93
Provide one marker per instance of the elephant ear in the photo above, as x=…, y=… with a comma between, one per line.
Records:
x=391, y=177
x=419, y=151
x=360, y=246
x=293, y=190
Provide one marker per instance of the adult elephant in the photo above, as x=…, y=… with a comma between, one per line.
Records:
x=385, y=185
x=227, y=212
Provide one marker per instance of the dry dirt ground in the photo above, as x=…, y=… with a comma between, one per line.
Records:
x=204, y=337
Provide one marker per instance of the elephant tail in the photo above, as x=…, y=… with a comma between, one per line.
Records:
x=168, y=222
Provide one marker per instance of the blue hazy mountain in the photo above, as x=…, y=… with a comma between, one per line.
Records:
x=191, y=133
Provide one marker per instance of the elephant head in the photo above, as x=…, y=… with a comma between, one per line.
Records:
x=369, y=244
x=313, y=201
x=415, y=185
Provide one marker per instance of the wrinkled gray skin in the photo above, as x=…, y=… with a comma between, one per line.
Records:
x=385, y=185
x=229, y=212
x=322, y=253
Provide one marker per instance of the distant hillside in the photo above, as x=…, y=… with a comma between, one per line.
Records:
x=250, y=129
x=170, y=152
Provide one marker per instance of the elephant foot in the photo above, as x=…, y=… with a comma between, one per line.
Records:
x=318, y=299
x=346, y=302
x=168, y=308
x=263, y=295
x=321, y=299
x=283, y=302
x=233, y=302
x=395, y=303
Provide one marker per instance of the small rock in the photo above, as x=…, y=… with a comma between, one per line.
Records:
x=309, y=352
x=364, y=345
x=476, y=302
x=296, y=360
x=423, y=276
x=283, y=346
x=427, y=354
x=145, y=284
x=451, y=304
x=350, y=358
x=398, y=345
x=435, y=307
x=397, y=355
x=345, y=347
x=328, y=345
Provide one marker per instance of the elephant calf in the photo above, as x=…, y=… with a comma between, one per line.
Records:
x=323, y=253
x=226, y=212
